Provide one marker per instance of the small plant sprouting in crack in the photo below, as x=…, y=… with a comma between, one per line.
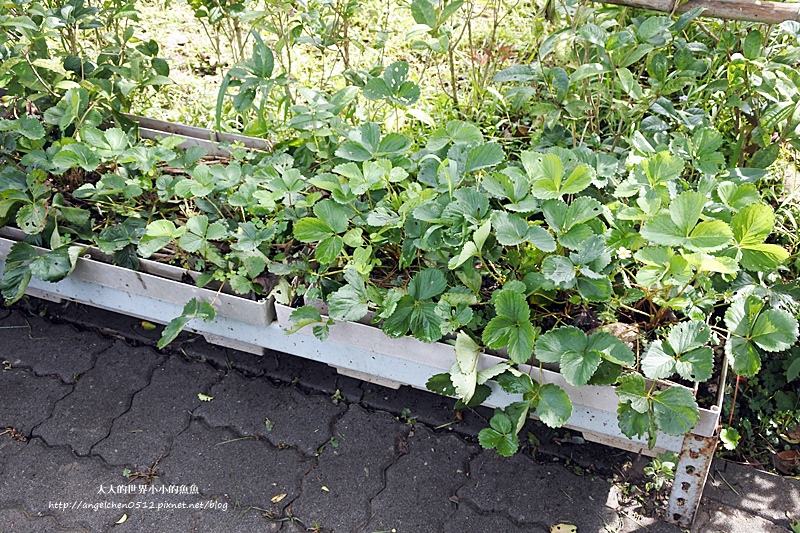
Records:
x=14, y=434
x=337, y=397
x=148, y=475
x=333, y=442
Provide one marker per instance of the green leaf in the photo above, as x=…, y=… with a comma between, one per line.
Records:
x=774, y=330
x=754, y=328
x=680, y=226
x=349, y=303
x=578, y=367
x=657, y=363
x=509, y=229
x=399, y=322
x=751, y=226
x=633, y=423
x=423, y=12
x=675, y=410
x=559, y=270
x=687, y=336
x=32, y=217
x=30, y=127
x=302, y=317
x=685, y=210
x=632, y=389
x=684, y=352
x=595, y=290
x=746, y=360
x=554, y=406
x=441, y=384
x=484, y=156
x=427, y=284
x=76, y=155
x=333, y=215
x=328, y=249
x=311, y=230
x=730, y=438
x=709, y=236
x=54, y=265
x=511, y=327
x=15, y=281
x=556, y=342
x=751, y=48
x=611, y=348
x=500, y=436
x=696, y=365
x=194, y=309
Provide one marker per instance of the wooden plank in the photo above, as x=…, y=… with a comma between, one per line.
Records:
x=746, y=10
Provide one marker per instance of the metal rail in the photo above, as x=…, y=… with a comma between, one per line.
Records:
x=750, y=11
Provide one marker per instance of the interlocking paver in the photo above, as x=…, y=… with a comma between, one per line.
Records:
x=376, y=475
x=753, y=491
x=159, y=412
x=467, y=518
x=8, y=448
x=246, y=470
x=84, y=417
x=427, y=477
x=159, y=513
x=48, y=349
x=14, y=519
x=26, y=400
x=256, y=407
x=40, y=477
x=352, y=471
x=514, y=485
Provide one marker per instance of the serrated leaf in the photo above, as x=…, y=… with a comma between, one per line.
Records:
x=559, y=270
x=427, y=284
x=311, y=230
x=349, y=303
x=611, y=348
x=483, y=156
x=632, y=389
x=579, y=367
x=657, y=363
x=302, y=317
x=554, y=407
x=333, y=215
x=441, y=384
x=509, y=229
x=633, y=423
x=511, y=327
x=53, y=265
x=500, y=435
x=193, y=309
x=774, y=330
x=675, y=410
x=556, y=342
x=329, y=249
x=687, y=336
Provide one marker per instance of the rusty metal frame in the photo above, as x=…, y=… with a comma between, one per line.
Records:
x=694, y=464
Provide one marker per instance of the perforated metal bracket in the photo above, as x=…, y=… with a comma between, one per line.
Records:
x=694, y=463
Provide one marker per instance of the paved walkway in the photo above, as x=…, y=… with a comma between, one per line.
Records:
x=107, y=434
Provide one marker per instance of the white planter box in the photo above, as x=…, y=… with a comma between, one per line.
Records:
x=594, y=407
x=156, y=283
